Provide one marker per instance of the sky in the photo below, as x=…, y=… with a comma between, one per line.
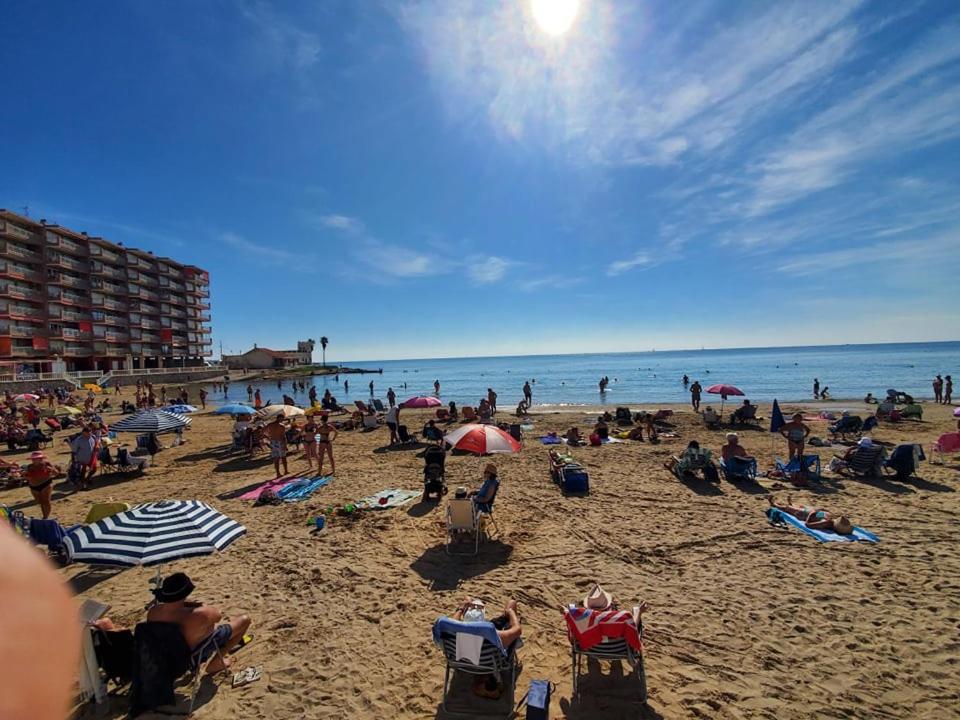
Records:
x=431, y=178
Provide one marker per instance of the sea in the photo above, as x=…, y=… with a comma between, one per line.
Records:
x=763, y=374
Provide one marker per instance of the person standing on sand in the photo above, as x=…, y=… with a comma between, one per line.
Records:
x=391, y=397
x=695, y=391
x=277, y=435
x=938, y=389
x=796, y=434
x=816, y=388
x=948, y=391
x=492, y=400
x=527, y=393
x=310, y=441
x=327, y=433
x=203, y=398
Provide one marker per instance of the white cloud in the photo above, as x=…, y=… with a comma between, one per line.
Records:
x=282, y=43
x=341, y=222
x=268, y=253
x=483, y=270
x=619, y=267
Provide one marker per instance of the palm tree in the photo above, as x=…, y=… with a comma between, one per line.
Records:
x=323, y=347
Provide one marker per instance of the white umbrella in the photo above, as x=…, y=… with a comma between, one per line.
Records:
x=287, y=411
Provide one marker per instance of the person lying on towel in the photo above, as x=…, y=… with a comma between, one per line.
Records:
x=197, y=622
x=814, y=518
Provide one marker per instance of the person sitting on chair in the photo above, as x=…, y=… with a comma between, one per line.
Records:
x=734, y=450
x=694, y=456
x=743, y=413
x=509, y=631
x=814, y=518
x=710, y=417
x=197, y=622
x=432, y=432
x=483, y=498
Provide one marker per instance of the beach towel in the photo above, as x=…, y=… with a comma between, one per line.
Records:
x=302, y=489
x=395, y=497
x=550, y=440
x=484, y=630
x=274, y=485
x=776, y=516
x=591, y=627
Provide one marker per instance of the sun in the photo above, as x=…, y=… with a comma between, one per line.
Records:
x=554, y=17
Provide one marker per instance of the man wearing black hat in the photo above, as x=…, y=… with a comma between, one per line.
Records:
x=197, y=621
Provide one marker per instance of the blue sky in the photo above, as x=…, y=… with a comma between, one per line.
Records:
x=442, y=177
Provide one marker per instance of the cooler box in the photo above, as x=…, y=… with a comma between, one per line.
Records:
x=574, y=479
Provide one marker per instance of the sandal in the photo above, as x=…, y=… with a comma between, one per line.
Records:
x=245, y=677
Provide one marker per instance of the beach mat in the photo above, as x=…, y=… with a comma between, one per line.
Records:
x=275, y=485
x=395, y=497
x=550, y=440
x=778, y=516
x=302, y=489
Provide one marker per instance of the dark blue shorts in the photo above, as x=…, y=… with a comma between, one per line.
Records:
x=217, y=640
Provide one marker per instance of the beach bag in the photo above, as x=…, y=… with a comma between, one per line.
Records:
x=537, y=700
x=574, y=479
x=595, y=440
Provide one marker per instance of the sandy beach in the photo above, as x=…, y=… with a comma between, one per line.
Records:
x=745, y=620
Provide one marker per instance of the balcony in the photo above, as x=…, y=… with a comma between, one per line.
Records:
x=150, y=324
x=27, y=351
x=21, y=331
x=15, y=311
x=150, y=338
x=65, y=261
x=77, y=350
x=103, y=302
x=70, y=299
x=15, y=231
x=19, y=251
x=18, y=270
x=111, y=272
x=73, y=281
x=102, y=253
x=19, y=291
x=65, y=244
x=114, y=337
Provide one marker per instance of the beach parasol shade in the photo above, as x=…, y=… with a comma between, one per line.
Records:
x=724, y=391
x=153, y=533
x=180, y=409
x=234, y=409
x=26, y=397
x=482, y=440
x=777, y=420
x=420, y=401
x=93, y=387
x=288, y=411
x=151, y=421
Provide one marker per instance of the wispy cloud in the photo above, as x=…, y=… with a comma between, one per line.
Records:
x=283, y=42
x=341, y=222
x=638, y=260
x=265, y=253
x=483, y=270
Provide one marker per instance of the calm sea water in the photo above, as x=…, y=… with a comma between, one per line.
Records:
x=850, y=371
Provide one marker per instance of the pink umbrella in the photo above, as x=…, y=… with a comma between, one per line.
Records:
x=724, y=391
x=482, y=440
x=420, y=402
x=26, y=397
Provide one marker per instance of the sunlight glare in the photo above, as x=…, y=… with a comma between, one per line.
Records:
x=555, y=17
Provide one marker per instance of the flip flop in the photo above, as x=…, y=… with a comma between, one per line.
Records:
x=244, y=641
x=247, y=676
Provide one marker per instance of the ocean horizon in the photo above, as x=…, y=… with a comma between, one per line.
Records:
x=764, y=374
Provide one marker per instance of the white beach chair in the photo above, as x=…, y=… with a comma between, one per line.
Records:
x=462, y=518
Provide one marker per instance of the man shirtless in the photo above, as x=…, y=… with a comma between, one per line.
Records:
x=197, y=621
x=277, y=435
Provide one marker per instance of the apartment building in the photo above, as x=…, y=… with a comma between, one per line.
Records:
x=95, y=304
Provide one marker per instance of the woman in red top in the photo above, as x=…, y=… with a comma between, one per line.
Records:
x=40, y=474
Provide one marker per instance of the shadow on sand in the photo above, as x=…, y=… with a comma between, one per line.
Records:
x=445, y=572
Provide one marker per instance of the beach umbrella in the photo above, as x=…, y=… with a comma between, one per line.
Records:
x=93, y=387
x=180, y=409
x=777, y=420
x=152, y=534
x=288, y=411
x=234, y=409
x=482, y=439
x=26, y=397
x=420, y=401
x=151, y=421
x=724, y=391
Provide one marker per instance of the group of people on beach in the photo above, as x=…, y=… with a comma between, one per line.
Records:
x=943, y=390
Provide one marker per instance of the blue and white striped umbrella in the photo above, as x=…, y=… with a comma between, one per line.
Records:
x=153, y=533
x=151, y=421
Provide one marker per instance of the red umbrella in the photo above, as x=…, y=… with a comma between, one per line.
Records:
x=482, y=440
x=420, y=402
x=724, y=391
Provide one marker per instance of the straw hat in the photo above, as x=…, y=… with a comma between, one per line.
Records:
x=37, y=455
x=598, y=599
x=843, y=525
x=490, y=469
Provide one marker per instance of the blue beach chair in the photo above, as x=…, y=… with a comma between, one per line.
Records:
x=738, y=469
x=811, y=465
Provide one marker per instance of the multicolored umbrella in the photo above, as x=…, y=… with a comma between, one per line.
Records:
x=26, y=397
x=482, y=440
x=420, y=401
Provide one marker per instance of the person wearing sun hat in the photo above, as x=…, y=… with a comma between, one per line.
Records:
x=40, y=474
x=197, y=622
x=508, y=630
x=483, y=498
x=814, y=518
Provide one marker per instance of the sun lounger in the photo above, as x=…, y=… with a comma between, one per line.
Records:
x=610, y=635
x=474, y=648
x=865, y=462
x=847, y=425
x=778, y=517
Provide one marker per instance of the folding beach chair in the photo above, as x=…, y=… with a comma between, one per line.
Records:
x=912, y=412
x=847, y=425
x=362, y=406
x=370, y=422
x=406, y=437
x=903, y=461
x=810, y=465
x=493, y=658
x=700, y=461
x=865, y=462
x=462, y=518
x=610, y=635
x=738, y=469
x=378, y=405
x=946, y=444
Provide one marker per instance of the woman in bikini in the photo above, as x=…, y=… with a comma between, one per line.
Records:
x=40, y=474
x=326, y=433
x=814, y=518
x=309, y=435
x=796, y=434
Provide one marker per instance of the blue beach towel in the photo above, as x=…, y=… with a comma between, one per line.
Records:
x=776, y=516
x=486, y=630
x=302, y=489
x=550, y=440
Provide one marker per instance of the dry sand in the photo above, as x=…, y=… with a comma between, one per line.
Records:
x=745, y=620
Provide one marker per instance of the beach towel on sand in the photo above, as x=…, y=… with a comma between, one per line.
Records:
x=394, y=497
x=274, y=485
x=550, y=440
x=776, y=516
x=302, y=489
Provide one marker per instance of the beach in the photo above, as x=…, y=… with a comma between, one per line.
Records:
x=745, y=620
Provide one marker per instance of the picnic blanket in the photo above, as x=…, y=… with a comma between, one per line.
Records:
x=302, y=489
x=275, y=485
x=394, y=497
x=776, y=517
